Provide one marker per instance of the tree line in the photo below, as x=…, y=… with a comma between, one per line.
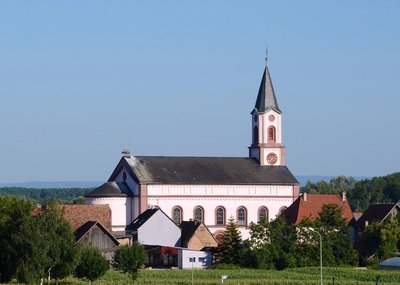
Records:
x=361, y=194
x=40, y=195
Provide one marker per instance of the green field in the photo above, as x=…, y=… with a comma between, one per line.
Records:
x=297, y=276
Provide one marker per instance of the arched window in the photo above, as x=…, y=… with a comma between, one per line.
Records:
x=241, y=216
x=263, y=215
x=282, y=209
x=198, y=214
x=177, y=215
x=220, y=216
x=255, y=135
x=271, y=134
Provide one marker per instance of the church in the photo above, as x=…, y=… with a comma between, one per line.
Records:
x=211, y=190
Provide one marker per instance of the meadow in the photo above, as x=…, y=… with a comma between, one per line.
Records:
x=295, y=276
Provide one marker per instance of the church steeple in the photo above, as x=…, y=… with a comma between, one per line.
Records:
x=266, y=99
x=267, y=147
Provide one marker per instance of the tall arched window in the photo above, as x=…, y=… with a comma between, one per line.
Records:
x=198, y=214
x=271, y=134
x=177, y=215
x=241, y=216
x=220, y=216
x=255, y=135
x=263, y=215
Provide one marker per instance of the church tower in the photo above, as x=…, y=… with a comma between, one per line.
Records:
x=266, y=117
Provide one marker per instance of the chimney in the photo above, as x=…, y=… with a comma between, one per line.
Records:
x=344, y=198
x=305, y=196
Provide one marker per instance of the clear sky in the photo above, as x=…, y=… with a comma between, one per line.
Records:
x=80, y=80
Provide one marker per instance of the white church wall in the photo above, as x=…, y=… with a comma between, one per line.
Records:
x=209, y=197
x=121, y=210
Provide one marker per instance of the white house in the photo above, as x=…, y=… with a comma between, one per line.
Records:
x=209, y=189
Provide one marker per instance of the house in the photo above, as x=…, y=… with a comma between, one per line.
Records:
x=194, y=259
x=195, y=235
x=95, y=234
x=375, y=213
x=154, y=227
x=209, y=189
x=92, y=225
x=310, y=205
x=77, y=215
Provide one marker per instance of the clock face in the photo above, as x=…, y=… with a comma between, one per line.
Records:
x=272, y=158
x=271, y=118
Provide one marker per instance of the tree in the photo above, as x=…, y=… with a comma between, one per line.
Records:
x=15, y=215
x=63, y=251
x=129, y=258
x=92, y=264
x=274, y=244
x=337, y=244
x=231, y=247
x=382, y=238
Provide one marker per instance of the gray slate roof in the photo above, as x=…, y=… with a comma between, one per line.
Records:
x=203, y=170
x=110, y=189
x=141, y=219
x=266, y=99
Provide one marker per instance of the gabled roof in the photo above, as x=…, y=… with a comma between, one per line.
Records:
x=189, y=228
x=376, y=213
x=77, y=215
x=141, y=219
x=203, y=170
x=266, y=99
x=310, y=205
x=86, y=227
x=111, y=189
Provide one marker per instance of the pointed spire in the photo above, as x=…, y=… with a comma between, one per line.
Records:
x=266, y=99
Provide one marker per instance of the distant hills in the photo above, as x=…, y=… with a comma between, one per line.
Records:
x=92, y=184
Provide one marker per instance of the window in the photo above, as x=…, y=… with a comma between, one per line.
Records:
x=255, y=135
x=220, y=216
x=241, y=216
x=198, y=214
x=271, y=134
x=282, y=209
x=177, y=215
x=263, y=215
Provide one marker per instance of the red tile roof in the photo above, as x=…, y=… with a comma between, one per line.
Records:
x=77, y=215
x=310, y=205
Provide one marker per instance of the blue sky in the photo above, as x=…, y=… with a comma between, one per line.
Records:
x=80, y=80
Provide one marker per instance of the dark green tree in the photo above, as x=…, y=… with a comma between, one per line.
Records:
x=92, y=264
x=15, y=217
x=129, y=258
x=63, y=251
x=337, y=244
x=382, y=238
x=274, y=244
x=231, y=247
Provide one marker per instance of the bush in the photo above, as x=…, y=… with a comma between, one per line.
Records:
x=129, y=258
x=92, y=264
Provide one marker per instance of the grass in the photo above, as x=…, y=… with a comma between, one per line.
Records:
x=295, y=276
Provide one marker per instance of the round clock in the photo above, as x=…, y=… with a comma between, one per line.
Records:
x=272, y=158
x=271, y=118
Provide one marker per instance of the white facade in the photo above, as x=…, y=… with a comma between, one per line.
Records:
x=193, y=259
